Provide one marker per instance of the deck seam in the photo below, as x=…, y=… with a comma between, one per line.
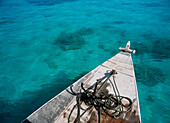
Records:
x=117, y=70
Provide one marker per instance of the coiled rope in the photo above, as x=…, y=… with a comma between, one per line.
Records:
x=106, y=104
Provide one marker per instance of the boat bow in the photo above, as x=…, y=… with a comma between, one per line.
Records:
x=58, y=109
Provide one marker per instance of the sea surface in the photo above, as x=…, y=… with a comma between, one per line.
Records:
x=46, y=45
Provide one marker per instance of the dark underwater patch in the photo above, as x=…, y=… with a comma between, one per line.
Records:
x=112, y=24
x=159, y=48
x=70, y=41
x=100, y=46
x=85, y=31
x=6, y=21
x=148, y=75
x=119, y=22
x=151, y=4
x=126, y=3
x=90, y=51
x=106, y=48
x=50, y=61
x=108, y=27
x=150, y=99
x=1, y=2
x=52, y=65
x=48, y=2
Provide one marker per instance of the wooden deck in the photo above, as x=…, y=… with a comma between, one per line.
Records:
x=57, y=110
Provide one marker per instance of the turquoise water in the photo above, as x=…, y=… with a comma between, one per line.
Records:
x=47, y=45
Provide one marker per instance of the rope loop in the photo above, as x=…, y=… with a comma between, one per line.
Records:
x=112, y=105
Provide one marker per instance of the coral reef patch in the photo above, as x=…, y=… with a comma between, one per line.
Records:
x=148, y=75
x=158, y=50
x=70, y=41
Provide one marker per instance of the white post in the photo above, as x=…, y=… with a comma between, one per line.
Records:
x=126, y=49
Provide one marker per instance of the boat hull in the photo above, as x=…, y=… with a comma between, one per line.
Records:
x=57, y=110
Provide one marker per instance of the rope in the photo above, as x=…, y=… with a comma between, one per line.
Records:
x=106, y=104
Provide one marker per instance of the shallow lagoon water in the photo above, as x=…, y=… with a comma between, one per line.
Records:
x=38, y=61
